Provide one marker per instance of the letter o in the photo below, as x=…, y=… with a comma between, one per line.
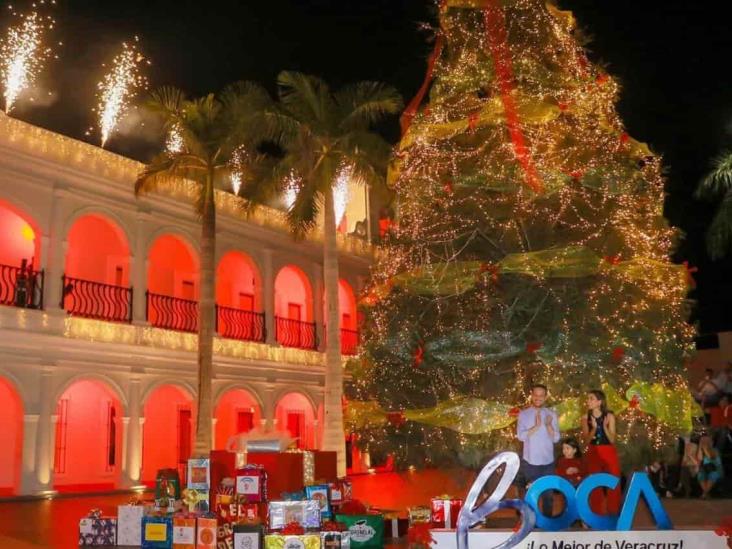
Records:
x=563, y=486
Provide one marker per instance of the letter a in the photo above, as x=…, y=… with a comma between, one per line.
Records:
x=640, y=485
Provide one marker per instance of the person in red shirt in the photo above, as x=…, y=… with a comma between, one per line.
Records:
x=720, y=419
x=570, y=464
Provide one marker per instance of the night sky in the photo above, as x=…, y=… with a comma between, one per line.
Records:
x=672, y=58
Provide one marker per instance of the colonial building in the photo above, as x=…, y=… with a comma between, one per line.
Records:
x=98, y=318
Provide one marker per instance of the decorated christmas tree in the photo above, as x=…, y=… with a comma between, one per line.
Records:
x=529, y=246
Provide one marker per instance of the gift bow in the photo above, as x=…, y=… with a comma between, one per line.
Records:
x=191, y=497
x=293, y=529
x=95, y=513
x=333, y=526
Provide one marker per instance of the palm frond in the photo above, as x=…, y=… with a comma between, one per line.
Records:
x=719, y=180
x=719, y=233
x=307, y=98
x=166, y=101
x=165, y=168
x=364, y=104
x=369, y=146
x=303, y=215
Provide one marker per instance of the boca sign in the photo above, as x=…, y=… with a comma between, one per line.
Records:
x=576, y=506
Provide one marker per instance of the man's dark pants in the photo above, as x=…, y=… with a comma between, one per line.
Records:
x=530, y=473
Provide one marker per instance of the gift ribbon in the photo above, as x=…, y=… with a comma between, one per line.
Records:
x=410, y=112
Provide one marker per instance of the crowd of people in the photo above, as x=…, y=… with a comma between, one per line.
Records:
x=699, y=469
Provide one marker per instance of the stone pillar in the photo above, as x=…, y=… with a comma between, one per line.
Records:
x=28, y=479
x=268, y=295
x=318, y=304
x=46, y=433
x=56, y=252
x=132, y=433
x=269, y=422
x=316, y=434
x=214, y=421
x=138, y=272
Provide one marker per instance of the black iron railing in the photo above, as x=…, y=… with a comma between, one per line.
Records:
x=96, y=300
x=349, y=341
x=295, y=333
x=21, y=287
x=240, y=324
x=171, y=313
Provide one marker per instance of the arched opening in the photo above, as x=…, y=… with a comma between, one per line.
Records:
x=294, y=309
x=88, y=438
x=168, y=431
x=347, y=318
x=237, y=412
x=96, y=276
x=238, y=298
x=294, y=415
x=21, y=283
x=11, y=438
x=172, y=284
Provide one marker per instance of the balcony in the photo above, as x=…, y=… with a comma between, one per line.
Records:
x=171, y=313
x=240, y=324
x=349, y=341
x=295, y=333
x=21, y=287
x=96, y=300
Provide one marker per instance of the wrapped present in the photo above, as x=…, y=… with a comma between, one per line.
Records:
x=157, y=532
x=224, y=535
x=184, y=532
x=206, y=532
x=222, y=466
x=303, y=541
x=319, y=493
x=251, y=484
x=394, y=525
x=284, y=471
x=167, y=484
x=346, y=489
x=129, y=523
x=306, y=513
x=418, y=515
x=335, y=493
x=334, y=535
x=224, y=491
x=251, y=512
x=248, y=536
x=97, y=531
x=325, y=465
x=199, y=474
x=366, y=531
x=444, y=512
x=195, y=501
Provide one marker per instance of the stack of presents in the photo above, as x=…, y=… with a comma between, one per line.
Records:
x=268, y=500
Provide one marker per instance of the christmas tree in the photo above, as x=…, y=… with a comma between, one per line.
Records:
x=529, y=246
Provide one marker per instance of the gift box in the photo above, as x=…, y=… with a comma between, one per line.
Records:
x=251, y=484
x=444, y=512
x=224, y=535
x=199, y=474
x=129, y=523
x=284, y=471
x=366, y=531
x=184, y=532
x=334, y=535
x=167, y=484
x=335, y=493
x=306, y=513
x=319, y=493
x=205, y=533
x=304, y=541
x=97, y=531
x=346, y=489
x=248, y=536
x=395, y=526
x=194, y=501
x=325, y=465
x=222, y=465
x=157, y=532
x=419, y=515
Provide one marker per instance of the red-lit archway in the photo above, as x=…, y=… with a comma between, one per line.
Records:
x=237, y=283
x=294, y=309
x=237, y=412
x=168, y=431
x=11, y=438
x=88, y=438
x=294, y=415
x=20, y=237
x=346, y=306
x=98, y=251
x=172, y=283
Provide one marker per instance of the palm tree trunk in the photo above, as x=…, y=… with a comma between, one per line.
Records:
x=206, y=311
x=333, y=434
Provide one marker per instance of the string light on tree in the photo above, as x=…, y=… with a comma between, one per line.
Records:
x=118, y=87
x=23, y=54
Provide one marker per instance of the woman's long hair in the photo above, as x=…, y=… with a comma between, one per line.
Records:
x=706, y=448
x=599, y=395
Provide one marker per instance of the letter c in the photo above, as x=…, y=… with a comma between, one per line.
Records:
x=587, y=515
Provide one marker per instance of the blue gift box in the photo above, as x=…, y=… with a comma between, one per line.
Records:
x=319, y=493
x=157, y=532
x=98, y=531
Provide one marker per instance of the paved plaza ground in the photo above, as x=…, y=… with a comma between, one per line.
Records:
x=54, y=523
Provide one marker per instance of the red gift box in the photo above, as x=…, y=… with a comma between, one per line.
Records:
x=223, y=465
x=325, y=466
x=284, y=471
x=445, y=512
x=251, y=484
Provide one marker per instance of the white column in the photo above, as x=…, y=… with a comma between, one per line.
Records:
x=46, y=433
x=268, y=295
x=56, y=253
x=28, y=480
x=316, y=434
x=318, y=303
x=132, y=432
x=214, y=421
x=269, y=422
x=138, y=272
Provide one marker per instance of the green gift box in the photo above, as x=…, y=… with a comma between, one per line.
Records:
x=366, y=531
x=167, y=484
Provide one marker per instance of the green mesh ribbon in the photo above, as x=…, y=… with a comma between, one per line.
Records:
x=673, y=407
x=471, y=416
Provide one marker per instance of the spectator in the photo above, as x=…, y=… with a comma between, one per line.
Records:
x=707, y=391
x=658, y=474
x=689, y=468
x=570, y=464
x=723, y=379
x=719, y=419
x=710, y=466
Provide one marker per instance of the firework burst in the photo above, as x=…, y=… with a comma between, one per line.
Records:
x=23, y=55
x=118, y=87
x=174, y=140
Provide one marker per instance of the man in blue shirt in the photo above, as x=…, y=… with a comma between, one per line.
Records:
x=538, y=430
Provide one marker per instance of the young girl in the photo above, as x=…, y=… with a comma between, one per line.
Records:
x=570, y=465
x=710, y=466
x=598, y=431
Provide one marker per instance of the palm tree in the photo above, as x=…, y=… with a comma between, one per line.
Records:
x=325, y=136
x=718, y=183
x=205, y=138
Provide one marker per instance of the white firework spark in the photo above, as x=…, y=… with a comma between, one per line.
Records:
x=174, y=140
